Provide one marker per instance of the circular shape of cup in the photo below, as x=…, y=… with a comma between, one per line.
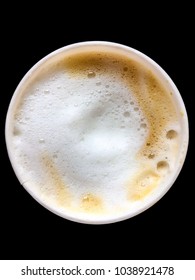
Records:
x=162, y=76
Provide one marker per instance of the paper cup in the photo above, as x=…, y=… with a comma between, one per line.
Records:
x=24, y=174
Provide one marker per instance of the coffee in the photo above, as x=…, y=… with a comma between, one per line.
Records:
x=97, y=132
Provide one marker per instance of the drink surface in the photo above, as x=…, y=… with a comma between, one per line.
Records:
x=96, y=133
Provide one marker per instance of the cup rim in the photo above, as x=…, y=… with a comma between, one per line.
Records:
x=34, y=68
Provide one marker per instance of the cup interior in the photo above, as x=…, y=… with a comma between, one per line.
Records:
x=45, y=64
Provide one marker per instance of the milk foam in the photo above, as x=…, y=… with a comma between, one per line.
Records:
x=89, y=137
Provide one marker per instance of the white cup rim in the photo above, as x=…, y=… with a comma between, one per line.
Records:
x=149, y=61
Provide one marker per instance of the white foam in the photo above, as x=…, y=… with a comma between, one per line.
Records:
x=86, y=130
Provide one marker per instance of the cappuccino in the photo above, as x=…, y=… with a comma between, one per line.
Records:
x=97, y=132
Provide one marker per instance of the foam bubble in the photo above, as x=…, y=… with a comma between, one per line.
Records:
x=41, y=141
x=126, y=114
x=91, y=74
x=171, y=134
x=162, y=166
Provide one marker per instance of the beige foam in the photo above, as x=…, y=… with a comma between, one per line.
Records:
x=154, y=100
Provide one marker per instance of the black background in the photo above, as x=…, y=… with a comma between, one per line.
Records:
x=165, y=231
